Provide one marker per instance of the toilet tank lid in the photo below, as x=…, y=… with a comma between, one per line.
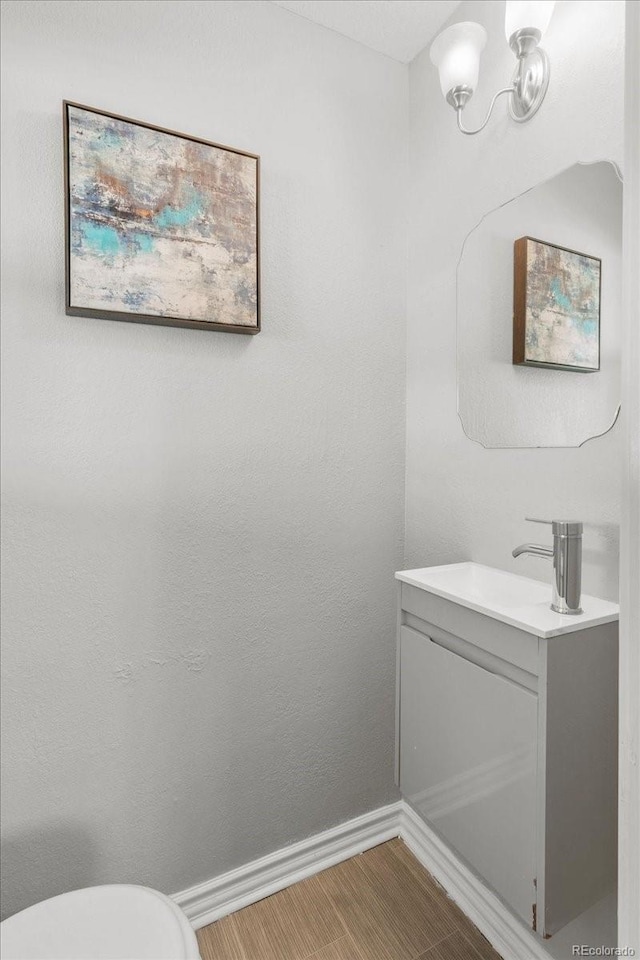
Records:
x=113, y=922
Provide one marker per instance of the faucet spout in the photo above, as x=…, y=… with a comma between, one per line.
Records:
x=533, y=550
x=566, y=554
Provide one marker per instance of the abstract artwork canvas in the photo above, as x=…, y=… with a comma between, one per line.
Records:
x=556, y=316
x=160, y=227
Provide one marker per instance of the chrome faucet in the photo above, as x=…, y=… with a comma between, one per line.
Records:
x=566, y=554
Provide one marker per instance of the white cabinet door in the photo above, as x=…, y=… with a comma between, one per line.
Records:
x=468, y=763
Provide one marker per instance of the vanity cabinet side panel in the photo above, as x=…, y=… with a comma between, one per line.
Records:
x=541, y=787
x=581, y=759
x=396, y=757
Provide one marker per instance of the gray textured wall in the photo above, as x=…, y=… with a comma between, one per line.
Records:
x=465, y=502
x=201, y=529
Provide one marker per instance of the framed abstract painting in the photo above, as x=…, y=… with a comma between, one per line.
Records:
x=556, y=307
x=161, y=227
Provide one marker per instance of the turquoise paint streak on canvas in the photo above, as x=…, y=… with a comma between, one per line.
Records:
x=108, y=242
x=181, y=216
x=110, y=138
x=144, y=242
x=560, y=298
x=101, y=239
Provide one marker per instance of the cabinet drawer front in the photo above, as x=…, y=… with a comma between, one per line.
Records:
x=510, y=644
x=468, y=763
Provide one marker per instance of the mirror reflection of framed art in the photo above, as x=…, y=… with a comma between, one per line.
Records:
x=556, y=307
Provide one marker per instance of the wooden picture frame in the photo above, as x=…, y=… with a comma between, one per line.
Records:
x=142, y=243
x=556, y=307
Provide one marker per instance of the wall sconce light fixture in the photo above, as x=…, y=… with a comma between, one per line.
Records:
x=456, y=54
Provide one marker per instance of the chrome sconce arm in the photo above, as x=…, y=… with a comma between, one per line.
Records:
x=456, y=53
x=458, y=92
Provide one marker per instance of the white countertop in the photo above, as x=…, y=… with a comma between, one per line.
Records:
x=520, y=601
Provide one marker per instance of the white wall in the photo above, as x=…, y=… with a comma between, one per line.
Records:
x=201, y=529
x=465, y=502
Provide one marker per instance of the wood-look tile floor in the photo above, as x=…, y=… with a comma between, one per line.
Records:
x=381, y=905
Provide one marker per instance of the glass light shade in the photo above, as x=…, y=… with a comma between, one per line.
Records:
x=456, y=54
x=520, y=14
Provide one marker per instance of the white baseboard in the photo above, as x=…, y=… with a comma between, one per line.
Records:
x=238, y=888
x=508, y=935
x=231, y=891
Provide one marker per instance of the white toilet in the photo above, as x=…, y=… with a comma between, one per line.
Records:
x=115, y=922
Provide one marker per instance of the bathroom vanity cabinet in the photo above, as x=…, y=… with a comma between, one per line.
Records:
x=507, y=737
